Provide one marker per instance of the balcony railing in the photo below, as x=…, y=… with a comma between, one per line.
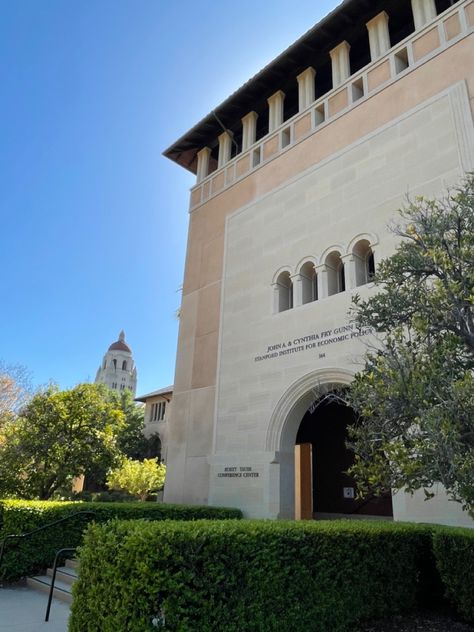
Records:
x=446, y=30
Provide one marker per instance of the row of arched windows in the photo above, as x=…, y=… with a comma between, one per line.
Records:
x=114, y=362
x=332, y=275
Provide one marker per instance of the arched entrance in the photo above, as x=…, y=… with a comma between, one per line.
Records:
x=327, y=488
x=291, y=425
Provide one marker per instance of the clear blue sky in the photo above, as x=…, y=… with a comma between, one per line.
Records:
x=93, y=217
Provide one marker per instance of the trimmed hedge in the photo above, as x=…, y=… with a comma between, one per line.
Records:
x=26, y=557
x=246, y=575
x=454, y=551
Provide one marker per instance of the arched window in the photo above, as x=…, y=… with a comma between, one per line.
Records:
x=124, y=365
x=115, y=363
x=335, y=273
x=364, y=262
x=309, y=283
x=284, y=286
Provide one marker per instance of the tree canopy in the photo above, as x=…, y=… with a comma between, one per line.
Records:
x=131, y=434
x=131, y=440
x=415, y=396
x=138, y=477
x=57, y=436
x=15, y=388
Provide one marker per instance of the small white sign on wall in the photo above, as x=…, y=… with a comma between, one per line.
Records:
x=349, y=493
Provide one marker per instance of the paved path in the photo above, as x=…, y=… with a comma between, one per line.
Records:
x=22, y=610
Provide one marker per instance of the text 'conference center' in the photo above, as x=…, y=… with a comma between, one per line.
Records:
x=299, y=173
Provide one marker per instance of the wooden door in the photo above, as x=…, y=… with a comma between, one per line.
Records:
x=303, y=482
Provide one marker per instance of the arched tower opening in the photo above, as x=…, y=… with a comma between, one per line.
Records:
x=364, y=262
x=309, y=283
x=336, y=278
x=284, y=286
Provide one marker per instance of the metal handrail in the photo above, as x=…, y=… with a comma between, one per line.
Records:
x=53, y=578
x=42, y=528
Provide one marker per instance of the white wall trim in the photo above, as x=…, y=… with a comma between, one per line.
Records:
x=321, y=380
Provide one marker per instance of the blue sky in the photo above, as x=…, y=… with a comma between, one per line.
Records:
x=93, y=217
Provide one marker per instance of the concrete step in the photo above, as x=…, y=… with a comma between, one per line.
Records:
x=62, y=590
x=63, y=574
x=72, y=564
x=65, y=578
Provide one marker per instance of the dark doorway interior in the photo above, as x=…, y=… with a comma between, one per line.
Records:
x=325, y=427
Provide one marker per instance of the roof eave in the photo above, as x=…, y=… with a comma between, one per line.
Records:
x=179, y=148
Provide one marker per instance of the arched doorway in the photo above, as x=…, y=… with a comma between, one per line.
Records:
x=326, y=459
x=283, y=430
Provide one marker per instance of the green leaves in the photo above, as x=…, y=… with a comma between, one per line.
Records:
x=138, y=477
x=415, y=396
x=57, y=436
x=430, y=278
x=131, y=440
x=454, y=551
x=261, y=576
x=37, y=552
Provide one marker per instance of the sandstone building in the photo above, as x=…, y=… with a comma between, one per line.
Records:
x=298, y=174
x=157, y=413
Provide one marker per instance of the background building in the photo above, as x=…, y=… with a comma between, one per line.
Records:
x=157, y=414
x=118, y=369
x=299, y=173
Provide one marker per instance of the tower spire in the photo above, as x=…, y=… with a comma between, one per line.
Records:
x=118, y=369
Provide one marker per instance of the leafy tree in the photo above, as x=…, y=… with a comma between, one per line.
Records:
x=130, y=438
x=57, y=436
x=415, y=396
x=138, y=477
x=150, y=447
x=15, y=388
x=131, y=441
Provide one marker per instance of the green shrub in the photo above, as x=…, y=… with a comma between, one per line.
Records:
x=104, y=497
x=245, y=575
x=26, y=557
x=454, y=551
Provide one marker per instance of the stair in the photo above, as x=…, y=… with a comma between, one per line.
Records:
x=65, y=578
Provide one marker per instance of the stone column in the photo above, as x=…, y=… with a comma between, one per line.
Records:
x=225, y=148
x=276, y=298
x=349, y=271
x=203, y=157
x=341, y=65
x=379, y=36
x=275, y=110
x=306, y=88
x=249, y=130
x=322, y=277
x=375, y=253
x=423, y=12
x=297, y=281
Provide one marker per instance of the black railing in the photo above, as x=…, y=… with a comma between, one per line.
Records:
x=42, y=528
x=59, y=554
